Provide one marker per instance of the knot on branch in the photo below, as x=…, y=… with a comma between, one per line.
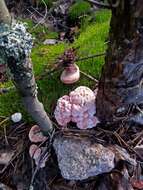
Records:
x=15, y=42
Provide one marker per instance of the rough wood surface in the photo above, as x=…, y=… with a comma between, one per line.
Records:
x=4, y=14
x=120, y=85
x=23, y=77
x=24, y=81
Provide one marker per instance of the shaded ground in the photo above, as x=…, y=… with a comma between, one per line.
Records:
x=21, y=171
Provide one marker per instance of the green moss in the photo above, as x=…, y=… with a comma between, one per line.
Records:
x=90, y=41
x=78, y=9
x=39, y=32
x=43, y=56
x=102, y=16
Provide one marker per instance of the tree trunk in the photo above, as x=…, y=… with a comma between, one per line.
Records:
x=120, y=92
x=24, y=80
x=4, y=14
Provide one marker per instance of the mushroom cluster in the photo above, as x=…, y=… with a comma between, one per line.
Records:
x=78, y=107
x=35, y=151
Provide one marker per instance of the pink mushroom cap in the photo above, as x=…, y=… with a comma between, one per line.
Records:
x=70, y=75
x=78, y=107
x=35, y=134
x=82, y=96
x=35, y=152
x=63, y=111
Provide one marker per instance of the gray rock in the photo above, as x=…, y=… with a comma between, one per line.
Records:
x=50, y=42
x=80, y=159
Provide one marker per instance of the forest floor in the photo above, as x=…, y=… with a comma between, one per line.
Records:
x=20, y=172
x=91, y=40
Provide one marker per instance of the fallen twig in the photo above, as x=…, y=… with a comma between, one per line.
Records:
x=137, y=137
x=89, y=57
x=105, y=5
x=89, y=76
x=46, y=12
x=3, y=121
x=5, y=135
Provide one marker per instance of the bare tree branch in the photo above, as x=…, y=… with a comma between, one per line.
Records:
x=4, y=14
x=105, y=5
x=17, y=57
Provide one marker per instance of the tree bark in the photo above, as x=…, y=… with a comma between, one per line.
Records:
x=120, y=92
x=4, y=14
x=24, y=81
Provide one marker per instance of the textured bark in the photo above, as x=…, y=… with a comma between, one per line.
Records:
x=25, y=83
x=4, y=14
x=24, y=80
x=121, y=87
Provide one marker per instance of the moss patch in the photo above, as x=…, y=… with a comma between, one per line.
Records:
x=90, y=41
x=78, y=9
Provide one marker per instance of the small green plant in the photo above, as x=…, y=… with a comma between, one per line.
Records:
x=78, y=9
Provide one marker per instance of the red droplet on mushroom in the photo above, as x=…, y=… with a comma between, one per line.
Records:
x=35, y=134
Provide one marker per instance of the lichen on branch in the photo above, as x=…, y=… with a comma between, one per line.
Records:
x=15, y=42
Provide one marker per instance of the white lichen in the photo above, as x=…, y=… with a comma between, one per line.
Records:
x=15, y=42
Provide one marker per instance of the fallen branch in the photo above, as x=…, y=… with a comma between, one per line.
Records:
x=89, y=76
x=89, y=57
x=46, y=12
x=16, y=48
x=104, y=5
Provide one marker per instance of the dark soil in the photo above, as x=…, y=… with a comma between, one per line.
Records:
x=21, y=172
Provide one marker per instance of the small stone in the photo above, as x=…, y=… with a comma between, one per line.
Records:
x=80, y=159
x=16, y=117
x=50, y=42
